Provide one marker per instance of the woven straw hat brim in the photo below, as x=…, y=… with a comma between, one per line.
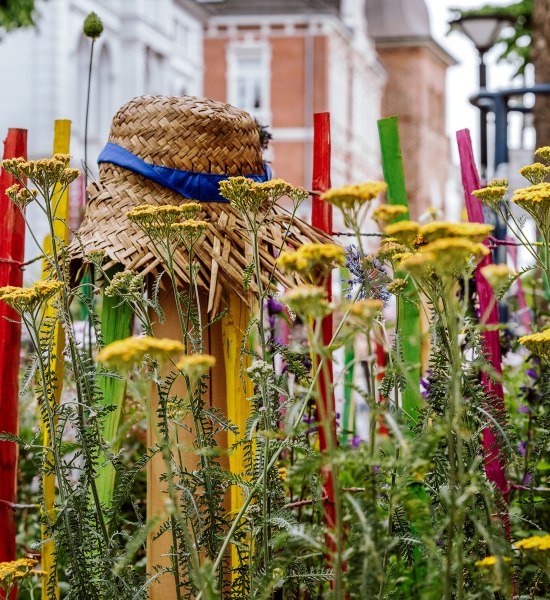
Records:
x=223, y=252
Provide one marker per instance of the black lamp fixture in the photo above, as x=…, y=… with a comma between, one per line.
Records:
x=483, y=31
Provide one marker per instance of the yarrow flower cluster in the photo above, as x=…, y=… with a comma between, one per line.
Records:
x=125, y=353
x=190, y=231
x=259, y=371
x=404, y=232
x=387, y=213
x=125, y=283
x=195, y=365
x=535, y=173
x=314, y=262
x=497, y=275
x=363, y=312
x=350, y=196
x=21, y=196
x=536, y=542
x=492, y=195
x=44, y=173
x=307, y=301
x=475, y=232
x=26, y=300
x=535, y=200
x=13, y=572
x=249, y=197
x=157, y=221
x=538, y=343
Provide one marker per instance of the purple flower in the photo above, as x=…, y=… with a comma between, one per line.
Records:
x=355, y=441
x=376, y=468
x=531, y=373
x=524, y=409
x=274, y=307
x=522, y=448
x=527, y=479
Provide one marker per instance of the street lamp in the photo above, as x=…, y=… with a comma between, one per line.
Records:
x=483, y=31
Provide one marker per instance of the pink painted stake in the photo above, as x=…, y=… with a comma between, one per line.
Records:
x=524, y=311
x=494, y=465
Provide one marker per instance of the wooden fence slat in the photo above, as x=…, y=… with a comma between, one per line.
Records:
x=494, y=463
x=12, y=250
x=409, y=320
x=321, y=217
x=61, y=145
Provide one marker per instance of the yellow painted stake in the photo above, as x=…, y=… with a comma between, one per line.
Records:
x=238, y=409
x=61, y=145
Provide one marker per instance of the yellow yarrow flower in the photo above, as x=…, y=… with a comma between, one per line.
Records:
x=307, y=301
x=544, y=153
x=191, y=231
x=490, y=561
x=536, y=542
x=536, y=201
x=537, y=343
x=312, y=261
x=405, y=232
x=388, y=250
x=351, y=195
x=497, y=275
x=157, y=221
x=26, y=300
x=43, y=173
x=491, y=196
x=475, y=232
x=388, y=212
x=196, y=365
x=363, y=312
x=127, y=352
x=535, y=173
x=452, y=255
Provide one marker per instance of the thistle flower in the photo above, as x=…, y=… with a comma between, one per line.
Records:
x=312, y=261
x=93, y=27
x=405, y=232
x=388, y=212
x=125, y=353
x=26, y=300
x=497, y=275
x=537, y=343
x=475, y=232
x=535, y=173
x=350, y=196
x=195, y=365
x=491, y=196
x=536, y=542
x=307, y=301
x=125, y=283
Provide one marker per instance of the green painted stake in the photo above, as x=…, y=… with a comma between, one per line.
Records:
x=409, y=320
x=348, y=412
x=117, y=319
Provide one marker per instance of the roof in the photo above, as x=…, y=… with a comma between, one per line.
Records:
x=269, y=7
x=397, y=18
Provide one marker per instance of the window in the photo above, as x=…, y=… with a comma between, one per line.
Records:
x=248, y=79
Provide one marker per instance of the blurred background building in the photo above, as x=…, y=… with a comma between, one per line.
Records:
x=282, y=60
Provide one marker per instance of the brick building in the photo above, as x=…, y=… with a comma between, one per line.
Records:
x=282, y=61
x=416, y=65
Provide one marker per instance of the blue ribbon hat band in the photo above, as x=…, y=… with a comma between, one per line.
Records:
x=190, y=184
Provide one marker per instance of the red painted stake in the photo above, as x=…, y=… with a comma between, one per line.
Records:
x=321, y=217
x=494, y=465
x=12, y=242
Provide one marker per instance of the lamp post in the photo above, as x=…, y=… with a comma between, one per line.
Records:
x=483, y=31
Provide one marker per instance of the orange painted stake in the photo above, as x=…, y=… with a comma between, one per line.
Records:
x=12, y=249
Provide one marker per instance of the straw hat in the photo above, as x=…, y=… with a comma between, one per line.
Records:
x=200, y=137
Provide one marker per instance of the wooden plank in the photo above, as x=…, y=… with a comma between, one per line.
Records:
x=321, y=217
x=494, y=463
x=409, y=329
x=61, y=145
x=12, y=248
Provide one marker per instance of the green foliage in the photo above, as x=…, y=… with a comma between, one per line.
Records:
x=15, y=14
x=518, y=39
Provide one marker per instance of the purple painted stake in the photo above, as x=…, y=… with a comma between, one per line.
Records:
x=494, y=463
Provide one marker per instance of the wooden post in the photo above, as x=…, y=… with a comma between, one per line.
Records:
x=494, y=463
x=61, y=145
x=409, y=329
x=12, y=250
x=321, y=217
